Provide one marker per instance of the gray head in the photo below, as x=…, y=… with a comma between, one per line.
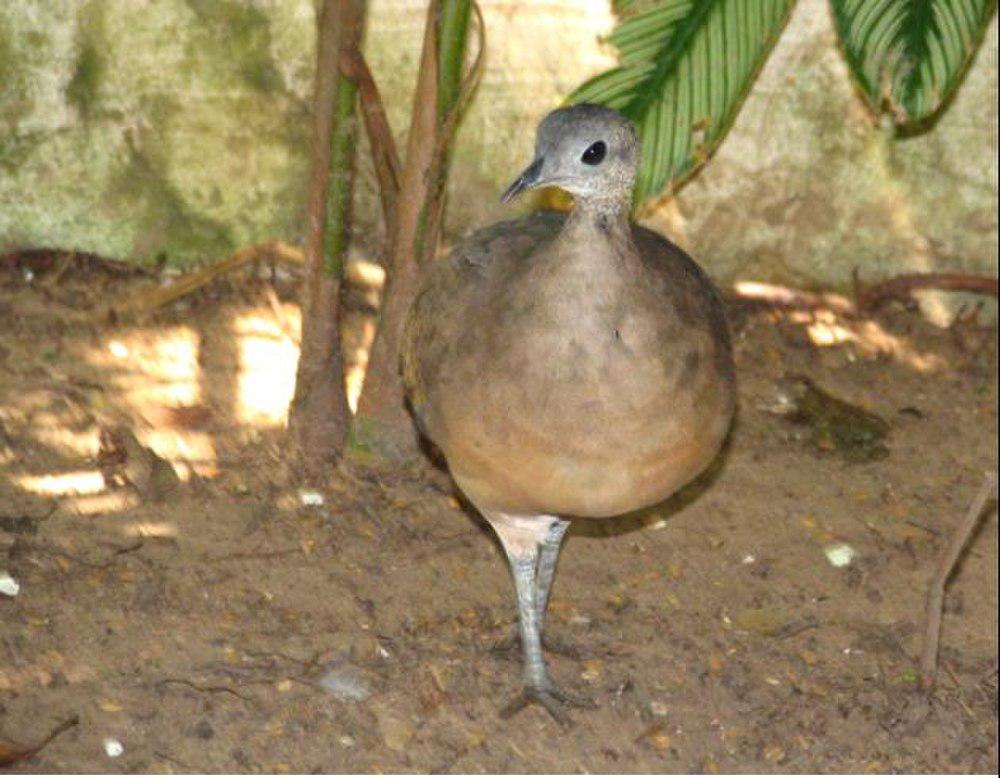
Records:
x=590, y=151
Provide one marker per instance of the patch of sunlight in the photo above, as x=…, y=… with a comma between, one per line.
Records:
x=783, y=295
x=825, y=328
x=62, y=484
x=267, y=362
x=158, y=368
x=162, y=365
x=188, y=451
x=151, y=529
x=67, y=441
x=872, y=337
x=365, y=273
x=117, y=501
x=354, y=374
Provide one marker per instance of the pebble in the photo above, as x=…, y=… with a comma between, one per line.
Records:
x=113, y=747
x=310, y=497
x=840, y=554
x=8, y=585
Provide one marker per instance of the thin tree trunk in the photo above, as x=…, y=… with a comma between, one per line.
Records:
x=319, y=417
x=383, y=423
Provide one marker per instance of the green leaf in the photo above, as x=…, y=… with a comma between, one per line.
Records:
x=685, y=68
x=910, y=55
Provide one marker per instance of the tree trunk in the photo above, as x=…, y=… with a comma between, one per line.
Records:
x=319, y=417
x=382, y=423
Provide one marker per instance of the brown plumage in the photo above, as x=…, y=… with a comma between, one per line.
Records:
x=568, y=366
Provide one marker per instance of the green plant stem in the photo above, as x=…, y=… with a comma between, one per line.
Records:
x=453, y=34
x=319, y=417
x=341, y=187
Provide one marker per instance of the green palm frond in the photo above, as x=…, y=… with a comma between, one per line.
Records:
x=909, y=55
x=685, y=67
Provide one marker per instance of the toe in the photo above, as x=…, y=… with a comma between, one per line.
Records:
x=533, y=696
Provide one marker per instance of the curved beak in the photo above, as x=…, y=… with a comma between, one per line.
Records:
x=527, y=180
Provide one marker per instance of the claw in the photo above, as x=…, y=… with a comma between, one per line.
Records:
x=553, y=699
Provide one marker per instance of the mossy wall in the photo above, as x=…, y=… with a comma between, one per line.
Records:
x=135, y=128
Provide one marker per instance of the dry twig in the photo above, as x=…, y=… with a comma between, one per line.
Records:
x=946, y=564
x=385, y=155
x=902, y=287
x=146, y=302
x=11, y=754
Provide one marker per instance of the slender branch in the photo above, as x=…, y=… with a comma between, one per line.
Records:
x=382, y=421
x=902, y=287
x=385, y=155
x=9, y=755
x=945, y=567
x=147, y=301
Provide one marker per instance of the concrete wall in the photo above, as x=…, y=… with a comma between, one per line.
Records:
x=138, y=127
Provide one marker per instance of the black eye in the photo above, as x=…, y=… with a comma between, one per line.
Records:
x=595, y=153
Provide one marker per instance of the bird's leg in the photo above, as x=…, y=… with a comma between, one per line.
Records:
x=548, y=554
x=523, y=554
x=547, y=565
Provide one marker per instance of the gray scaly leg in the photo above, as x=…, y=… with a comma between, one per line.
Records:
x=525, y=564
x=547, y=565
x=549, y=553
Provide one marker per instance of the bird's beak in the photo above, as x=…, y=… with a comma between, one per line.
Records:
x=527, y=180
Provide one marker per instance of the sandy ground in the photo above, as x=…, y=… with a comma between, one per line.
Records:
x=224, y=624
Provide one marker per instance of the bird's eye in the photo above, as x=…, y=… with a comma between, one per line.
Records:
x=595, y=153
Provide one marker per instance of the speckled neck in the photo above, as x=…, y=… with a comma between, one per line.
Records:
x=607, y=215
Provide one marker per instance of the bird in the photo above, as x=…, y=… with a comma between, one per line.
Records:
x=568, y=365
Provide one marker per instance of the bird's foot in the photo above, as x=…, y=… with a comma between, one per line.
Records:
x=510, y=646
x=550, y=697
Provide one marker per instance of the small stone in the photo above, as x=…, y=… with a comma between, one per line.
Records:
x=113, y=747
x=8, y=585
x=658, y=709
x=840, y=554
x=311, y=498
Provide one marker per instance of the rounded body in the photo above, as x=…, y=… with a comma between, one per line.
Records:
x=569, y=366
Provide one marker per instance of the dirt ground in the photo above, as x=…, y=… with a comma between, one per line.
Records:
x=241, y=622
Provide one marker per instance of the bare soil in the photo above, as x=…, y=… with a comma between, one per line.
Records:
x=227, y=624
